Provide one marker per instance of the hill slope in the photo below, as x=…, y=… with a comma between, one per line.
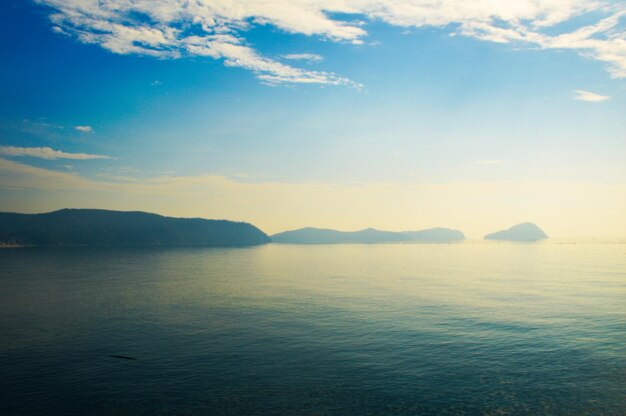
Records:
x=96, y=227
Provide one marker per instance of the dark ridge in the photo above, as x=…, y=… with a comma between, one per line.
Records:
x=96, y=227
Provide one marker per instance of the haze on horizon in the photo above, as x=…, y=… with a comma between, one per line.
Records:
x=362, y=113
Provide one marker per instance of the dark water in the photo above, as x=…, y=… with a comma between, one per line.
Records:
x=478, y=328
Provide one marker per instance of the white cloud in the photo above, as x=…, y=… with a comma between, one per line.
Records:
x=46, y=153
x=310, y=57
x=267, y=70
x=216, y=28
x=589, y=96
x=84, y=129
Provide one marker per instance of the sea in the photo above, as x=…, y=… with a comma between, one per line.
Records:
x=472, y=328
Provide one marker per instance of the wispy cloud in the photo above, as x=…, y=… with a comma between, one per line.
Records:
x=235, y=54
x=309, y=57
x=589, y=96
x=46, y=153
x=216, y=28
x=84, y=129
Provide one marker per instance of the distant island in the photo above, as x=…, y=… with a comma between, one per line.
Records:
x=96, y=227
x=526, y=231
x=311, y=235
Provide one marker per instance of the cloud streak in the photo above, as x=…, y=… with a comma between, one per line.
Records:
x=309, y=57
x=217, y=28
x=591, y=97
x=46, y=153
x=84, y=129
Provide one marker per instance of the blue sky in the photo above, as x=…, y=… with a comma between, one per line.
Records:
x=381, y=95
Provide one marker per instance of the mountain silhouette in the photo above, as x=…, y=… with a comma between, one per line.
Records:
x=526, y=231
x=95, y=227
x=312, y=235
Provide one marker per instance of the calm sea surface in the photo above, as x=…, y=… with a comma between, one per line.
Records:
x=476, y=328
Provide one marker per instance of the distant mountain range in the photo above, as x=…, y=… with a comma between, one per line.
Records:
x=311, y=235
x=95, y=227
x=526, y=231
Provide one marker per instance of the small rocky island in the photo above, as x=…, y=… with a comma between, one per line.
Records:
x=526, y=231
x=97, y=227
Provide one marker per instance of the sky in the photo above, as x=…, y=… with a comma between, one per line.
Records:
x=346, y=114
